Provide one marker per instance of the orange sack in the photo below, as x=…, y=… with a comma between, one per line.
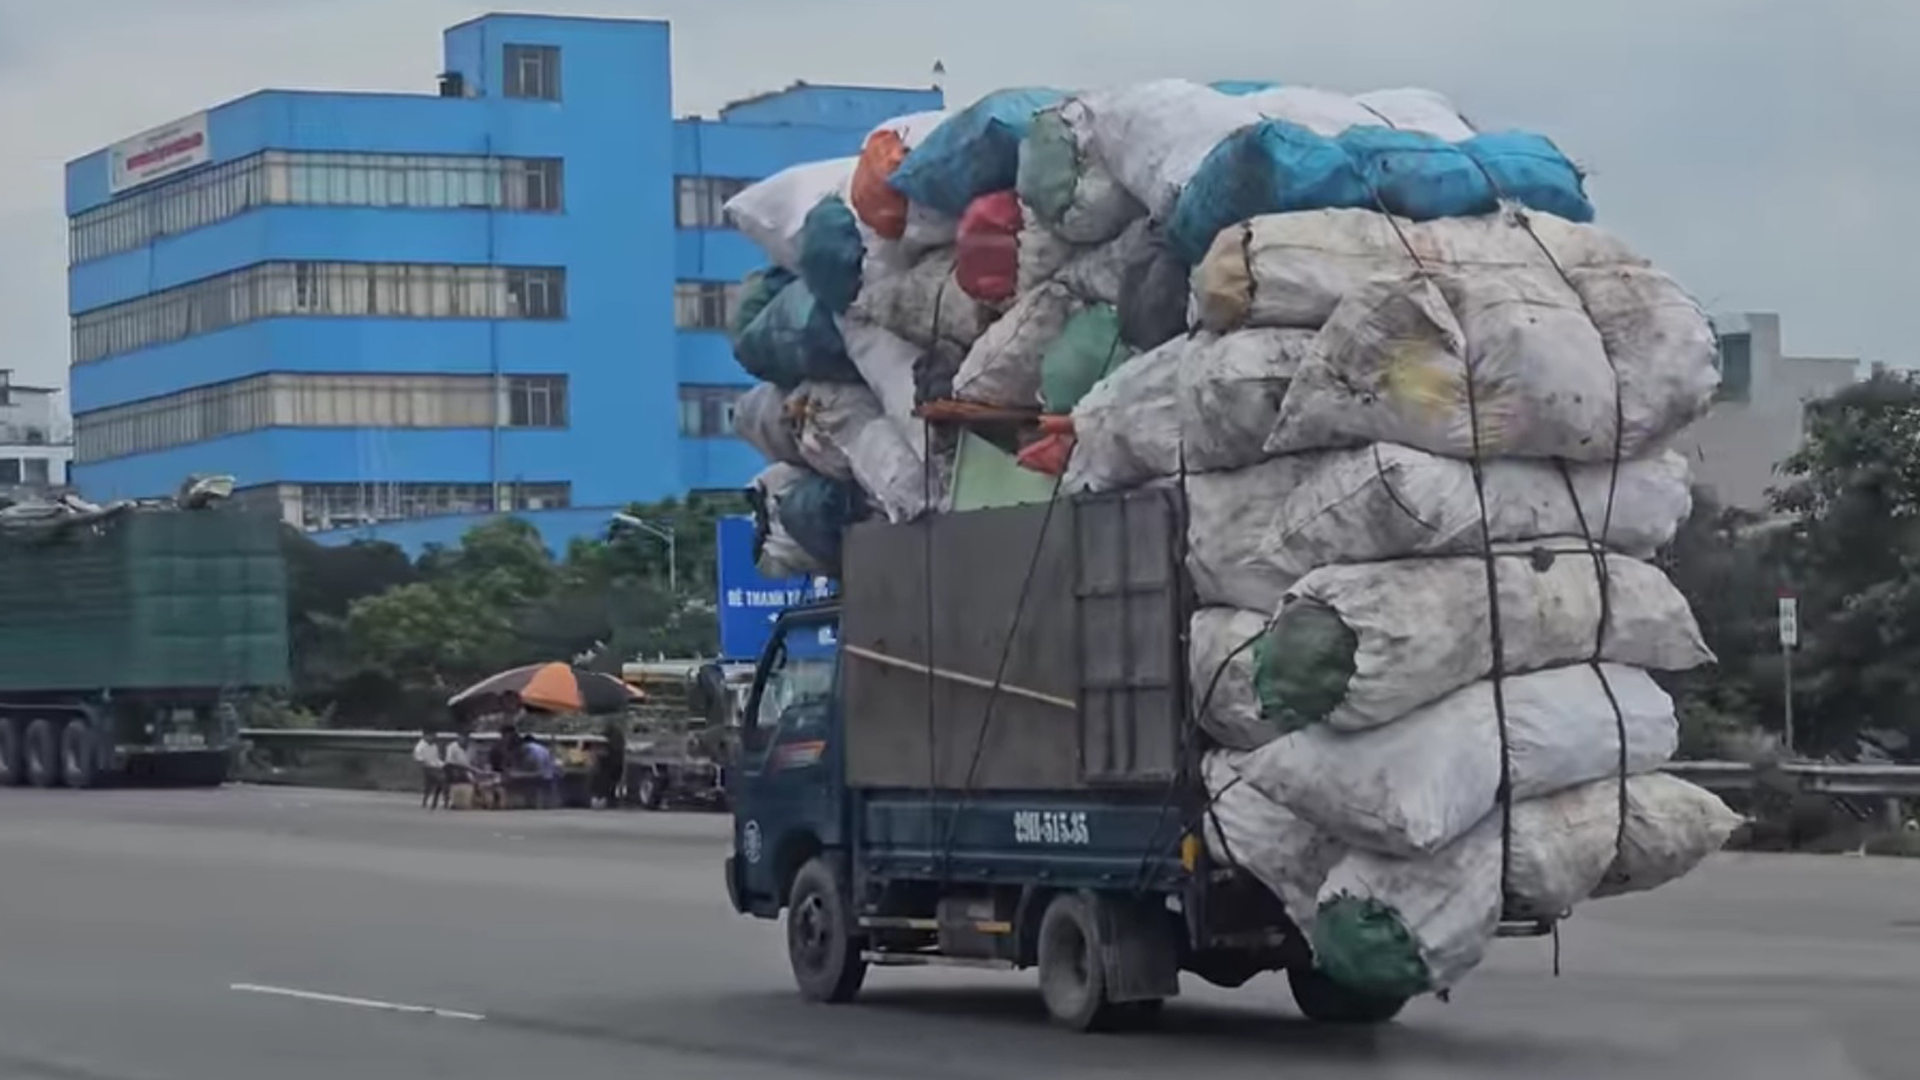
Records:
x=881, y=208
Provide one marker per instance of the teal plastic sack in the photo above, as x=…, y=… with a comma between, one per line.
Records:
x=1530, y=170
x=1088, y=347
x=977, y=150
x=1048, y=171
x=816, y=512
x=1242, y=87
x=757, y=290
x=1272, y=167
x=794, y=339
x=831, y=254
x=1419, y=176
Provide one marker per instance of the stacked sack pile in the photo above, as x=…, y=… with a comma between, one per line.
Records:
x=1417, y=406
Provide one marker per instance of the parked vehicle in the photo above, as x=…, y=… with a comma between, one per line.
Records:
x=1022, y=794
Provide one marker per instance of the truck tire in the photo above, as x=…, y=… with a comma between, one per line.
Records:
x=12, y=762
x=1073, y=977
x=42, y=754
x=648, y=791
x=76, y=754
x=1327, y=1002
x=821, y=945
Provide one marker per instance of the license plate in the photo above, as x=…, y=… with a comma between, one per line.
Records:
x=183, y=740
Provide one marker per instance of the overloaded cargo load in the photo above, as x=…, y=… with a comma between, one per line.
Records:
x=1411, y=406
x=140, y=597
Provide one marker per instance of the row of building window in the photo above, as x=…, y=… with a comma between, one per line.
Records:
x=303, y=400
x=699, y=202
x=264, y=290
x=32, y=472
x=704, y=305
x=337, y=506
x=290, y=178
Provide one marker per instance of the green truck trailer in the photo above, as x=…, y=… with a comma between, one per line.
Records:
x=128, y=634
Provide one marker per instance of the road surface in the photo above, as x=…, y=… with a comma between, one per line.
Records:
x=250, y=933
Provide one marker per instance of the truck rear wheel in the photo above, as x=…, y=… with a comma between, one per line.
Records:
x=1327, y=1002
x=42, y=754
x=76, y=754
x=12, y=767
x=1073, y=979
x=648, y=791
x=821, y=945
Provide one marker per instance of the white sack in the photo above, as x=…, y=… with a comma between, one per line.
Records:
x=1294, y=269
x=1220, y=677
x=1257, y=530
x=1395, y=360
x=886, y=363
x=1413, y=786
x=1246, y=829
x=761, y=418
x=1097, y=274
x=772, y=211
x=780, y=555
x=923, y=304
x=1003, y=367
x=1414, y=109
x=1672, y=826
x=845, y=435
x=1328, y=112
x=1100, y=207
x=1423, y=624
x=1040, y=252
x=1155, y=135
x=1209, y=400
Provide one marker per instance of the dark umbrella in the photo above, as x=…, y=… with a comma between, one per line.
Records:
x=555, y=687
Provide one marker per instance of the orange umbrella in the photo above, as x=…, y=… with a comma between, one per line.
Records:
x=555, y=687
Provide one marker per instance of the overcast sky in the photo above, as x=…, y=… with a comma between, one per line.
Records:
x=1767, y=152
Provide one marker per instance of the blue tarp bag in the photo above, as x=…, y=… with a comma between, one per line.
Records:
x=1272, y=167
x=975, y=151
x=1530, y=170
x=831, y=254
x=1242, y=87
x=794, y=339
x=1419, y=176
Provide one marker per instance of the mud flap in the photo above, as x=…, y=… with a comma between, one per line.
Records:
x=1139, y=949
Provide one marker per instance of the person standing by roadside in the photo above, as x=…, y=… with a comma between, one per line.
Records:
x=433, y=770
x=611, y=766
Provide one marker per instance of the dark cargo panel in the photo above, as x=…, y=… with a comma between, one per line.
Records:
x=1091, y=691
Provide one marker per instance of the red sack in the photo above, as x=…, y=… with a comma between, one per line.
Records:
x=1047, y=455
x=987, y=255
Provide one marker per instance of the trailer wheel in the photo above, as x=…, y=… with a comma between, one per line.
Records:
x=1327, y=1002
x=648, y=791
x=820, y=941
x=1073, y=979
x=76, y=754
x=12, y=769
x=42, y=754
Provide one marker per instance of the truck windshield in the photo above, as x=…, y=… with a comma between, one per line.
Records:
x=799, y=680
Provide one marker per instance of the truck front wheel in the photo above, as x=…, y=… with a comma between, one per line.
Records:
x=12, y=770
x=820, y=940
x=42, y=754
x=1327, y=1002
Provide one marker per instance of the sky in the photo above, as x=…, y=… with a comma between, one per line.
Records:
x=1762, y=151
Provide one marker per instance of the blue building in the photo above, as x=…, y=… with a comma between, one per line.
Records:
x=393, y=314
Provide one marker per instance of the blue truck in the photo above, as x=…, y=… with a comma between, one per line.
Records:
x=980, y=755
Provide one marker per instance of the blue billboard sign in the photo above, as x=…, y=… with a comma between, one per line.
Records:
x=749, y=601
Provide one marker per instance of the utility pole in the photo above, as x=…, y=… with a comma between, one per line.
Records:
x=1789, y=641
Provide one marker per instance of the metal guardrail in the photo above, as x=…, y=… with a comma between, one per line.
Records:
x=1866, y=781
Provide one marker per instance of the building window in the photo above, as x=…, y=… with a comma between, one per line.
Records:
x=706, y=412
x=36, y=471
x=299, y=400
x=9, y=470
x=704, y=305
x=533, y=71
x=1736, y=367
x=700, y=201
x=343, y=505
x=302, y=178
x=266, y=290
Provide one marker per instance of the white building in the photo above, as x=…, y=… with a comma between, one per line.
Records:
x=1756, y=421
x=36, y=448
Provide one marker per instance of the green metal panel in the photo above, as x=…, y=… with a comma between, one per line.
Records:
x=145, y=599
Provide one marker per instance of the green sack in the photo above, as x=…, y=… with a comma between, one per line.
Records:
x=1088, y=347
x=1303, y=664
x=1364, y=946
x=831, y=254
x=757, y=290
x=1049, y=168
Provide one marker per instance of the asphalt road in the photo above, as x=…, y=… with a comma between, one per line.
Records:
x=185, y=936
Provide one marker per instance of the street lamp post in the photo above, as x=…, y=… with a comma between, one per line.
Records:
x=663, y=532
